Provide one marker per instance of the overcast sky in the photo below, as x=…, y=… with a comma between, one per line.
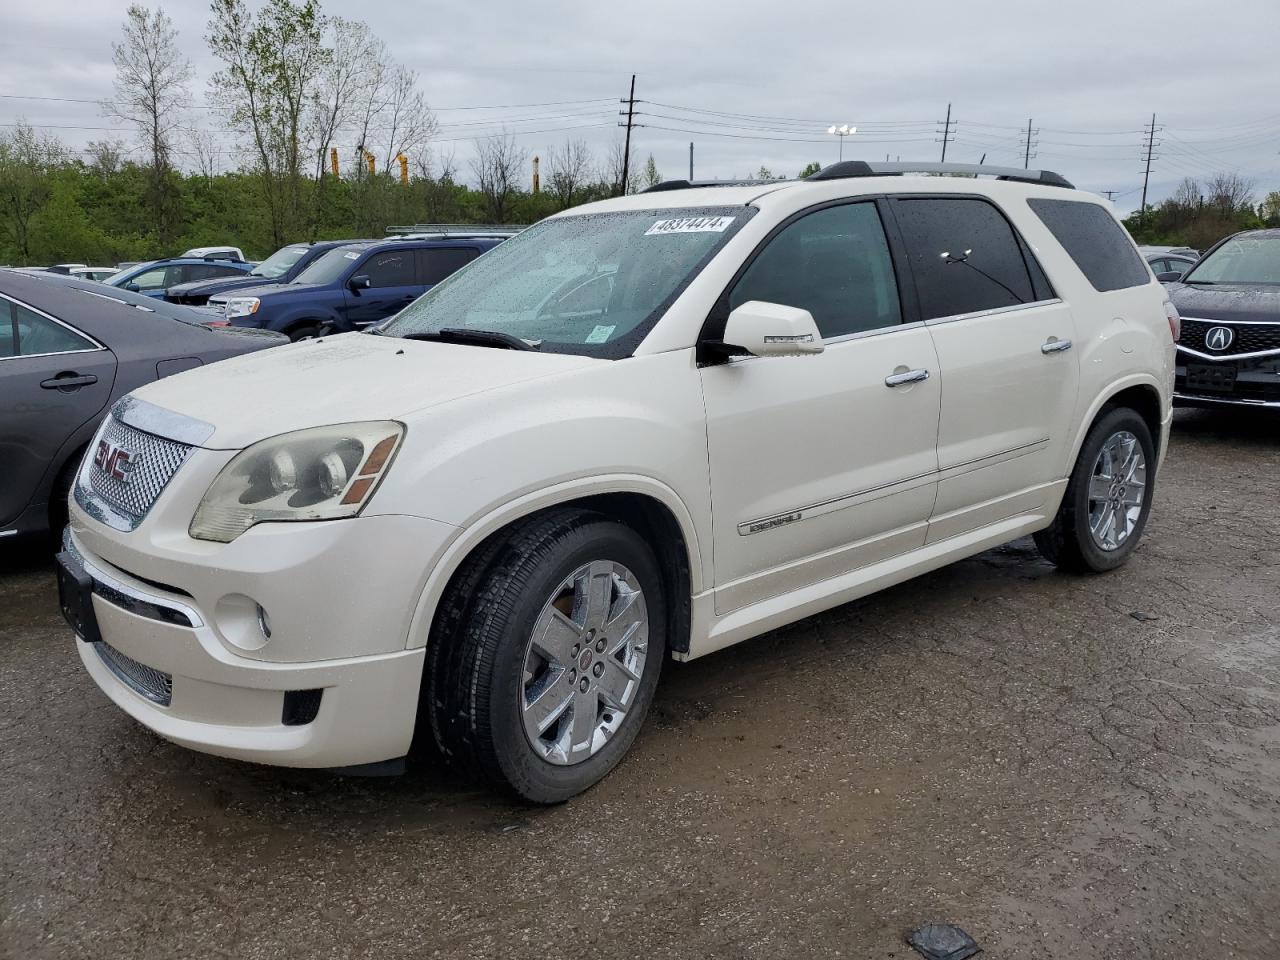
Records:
x=1089, y=74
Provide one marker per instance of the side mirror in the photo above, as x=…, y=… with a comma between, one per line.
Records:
x=132, y=286
x=1169, y=276
x=360, y=281
x=772, y=330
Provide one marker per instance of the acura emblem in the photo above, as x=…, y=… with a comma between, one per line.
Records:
x=1219, y=338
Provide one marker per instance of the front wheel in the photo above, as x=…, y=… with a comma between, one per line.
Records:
x=547, y=653
x=1108, y=497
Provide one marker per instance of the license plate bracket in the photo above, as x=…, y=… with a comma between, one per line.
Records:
x=1213, y=377
x=75, y=597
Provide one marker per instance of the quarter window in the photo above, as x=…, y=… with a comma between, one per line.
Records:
x=1095, y=241
x=25, y=333
x=153, y=279
x=392, y=269
x=439, y=263
x=834, y=263
x=965, y=256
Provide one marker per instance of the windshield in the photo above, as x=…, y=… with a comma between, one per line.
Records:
x=328, y=267
x=1240, y=260
x=119, y=275
x=278, y=264
x=592, y=284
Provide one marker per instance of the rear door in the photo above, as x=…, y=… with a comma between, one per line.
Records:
x=53, y=378
x=1004, y=343
x=437, y=263
x=393, y=284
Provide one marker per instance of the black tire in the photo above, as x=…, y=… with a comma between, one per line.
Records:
x=305, y=331
x=1068, y=541
x=474, y=686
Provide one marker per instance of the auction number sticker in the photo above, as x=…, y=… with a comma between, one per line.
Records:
x=690, y=225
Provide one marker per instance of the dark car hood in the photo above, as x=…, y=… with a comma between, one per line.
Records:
x=283, y=289
x=1227, y=301
x=204, y=288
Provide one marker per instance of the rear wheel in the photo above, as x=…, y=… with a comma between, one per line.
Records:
x=547, y=653
x=305, y=331
x=1108, y=497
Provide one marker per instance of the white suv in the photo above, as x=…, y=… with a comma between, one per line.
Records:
x=648, y=427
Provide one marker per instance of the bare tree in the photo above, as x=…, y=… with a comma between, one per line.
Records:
x=1188, y=194
x=613, y=170
x=568, y=170
x=106, y=157
x=1230, y=193
x=498, y=166
x=409, y=122
x=150, y=92
x=337, y=100
x=271, y=64
x=26, y=159
x=205, y=150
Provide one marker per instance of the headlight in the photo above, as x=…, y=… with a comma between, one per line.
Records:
x=242, y=307
x=324, y=473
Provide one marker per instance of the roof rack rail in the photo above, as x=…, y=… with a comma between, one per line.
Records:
x=861, y=168
x=692, y=184
x=470, y=229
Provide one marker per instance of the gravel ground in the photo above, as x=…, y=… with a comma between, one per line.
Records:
x=1082, y=767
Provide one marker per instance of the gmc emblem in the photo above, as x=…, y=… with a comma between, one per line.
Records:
x=115, y=461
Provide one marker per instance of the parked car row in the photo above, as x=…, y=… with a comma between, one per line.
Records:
x=653, y=426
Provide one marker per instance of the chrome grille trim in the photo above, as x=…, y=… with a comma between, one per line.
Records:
x=119, y=504
x=154, y=685
x=118, y=593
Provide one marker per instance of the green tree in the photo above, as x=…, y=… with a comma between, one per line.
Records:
x=27, y=162
x=809, y=170
x=649, y=176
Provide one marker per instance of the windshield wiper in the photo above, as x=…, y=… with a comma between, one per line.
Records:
x=483, y=338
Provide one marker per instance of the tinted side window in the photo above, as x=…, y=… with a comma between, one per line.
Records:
x=1092, y=238
x=35, y=334
x=154, y=279
x=835, y=264
x=394, y=268
x=438, y=264
x=964, y=254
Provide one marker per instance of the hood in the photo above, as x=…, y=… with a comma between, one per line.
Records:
x=263, y=290
x=1227, y=301
x=204, y=288
x=342, y=379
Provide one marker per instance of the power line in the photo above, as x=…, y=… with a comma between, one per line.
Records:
x=946, y=134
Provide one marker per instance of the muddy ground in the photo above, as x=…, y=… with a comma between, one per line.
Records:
x=1067, y=767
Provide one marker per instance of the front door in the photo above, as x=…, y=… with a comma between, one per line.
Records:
x=393, y=285
x=1005, y=342
x=824, y=463
x=52, y=379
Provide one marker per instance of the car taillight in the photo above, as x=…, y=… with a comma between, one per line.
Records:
x=1175, y=321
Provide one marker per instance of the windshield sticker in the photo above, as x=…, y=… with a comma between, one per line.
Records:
x=690, y=225
x=601, y=333
x=352, y=256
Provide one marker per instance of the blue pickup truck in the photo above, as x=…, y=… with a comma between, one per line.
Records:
x=351, y=286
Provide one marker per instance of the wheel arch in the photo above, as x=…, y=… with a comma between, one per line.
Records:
x=647, y=506
x=1139, y=393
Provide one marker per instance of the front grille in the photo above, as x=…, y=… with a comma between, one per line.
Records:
x=152, y=462
x=1249, y=337
x=155, y=685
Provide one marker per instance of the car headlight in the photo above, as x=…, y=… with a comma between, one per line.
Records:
x=322, y=473
x=242, y=307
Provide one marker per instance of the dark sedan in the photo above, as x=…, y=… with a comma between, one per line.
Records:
x=1229, y=351
x=283, y=266
x=68, y=349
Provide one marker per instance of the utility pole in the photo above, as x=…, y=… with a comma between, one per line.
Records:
x=1109, y=193
x=626, y=147
x=946, y=133
x=1146, y=174
x=691, y=161
x=1026, y=156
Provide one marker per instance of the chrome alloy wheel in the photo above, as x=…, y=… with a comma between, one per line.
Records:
x=1116, y=490
x=584, y=662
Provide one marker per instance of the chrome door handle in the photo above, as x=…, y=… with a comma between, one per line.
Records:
x=1055, y=346
x=911, y=376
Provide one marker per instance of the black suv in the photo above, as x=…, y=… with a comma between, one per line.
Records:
x=351, y=286
x=1229, y=351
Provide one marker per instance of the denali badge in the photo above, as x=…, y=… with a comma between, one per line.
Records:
x=759, y=526
x=1219, y=338
x=115, y=461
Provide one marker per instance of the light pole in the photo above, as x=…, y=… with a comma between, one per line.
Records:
x=842, y=131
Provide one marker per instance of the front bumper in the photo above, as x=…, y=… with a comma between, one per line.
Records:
x=1200, y=382
x=185, y=653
